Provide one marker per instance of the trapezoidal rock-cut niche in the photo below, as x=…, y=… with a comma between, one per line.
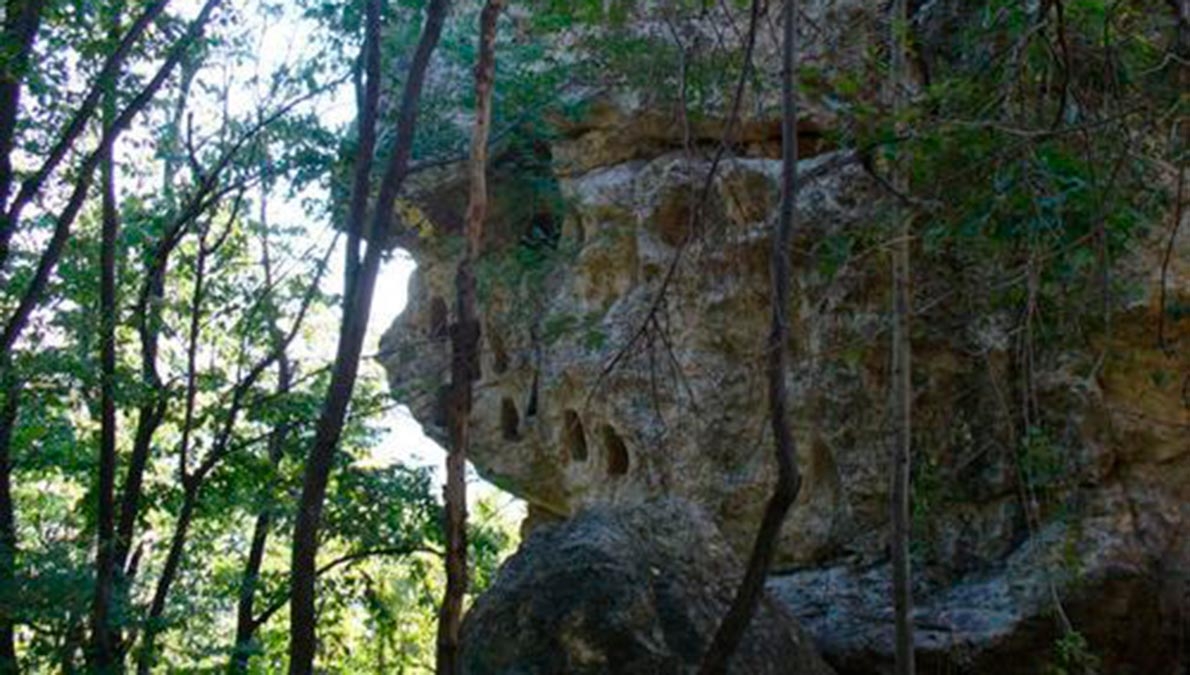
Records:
x=499, y=353
x=574, y=437
x=510, y=420
x=615, y=451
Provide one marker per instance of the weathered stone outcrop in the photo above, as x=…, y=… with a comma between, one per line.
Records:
x=622, y=361
x=622, y=590
x=681, y=411
x=1006, y=619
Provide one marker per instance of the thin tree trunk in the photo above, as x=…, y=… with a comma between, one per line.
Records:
x=22, y=20
x=303, y=620
x=193, y=482
x=902, y=404
x=246, y=606
x=190, y=484
x=9, y=600
x=169, y=572
x=731, y=631
x=103, y=632
x=356, y=309
x=246, y=623
x=900, y=493
x=465, y=351
x=152, y=411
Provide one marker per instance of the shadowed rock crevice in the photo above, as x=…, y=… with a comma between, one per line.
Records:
x=615, y=451
x=574, y=437
x=510, y=420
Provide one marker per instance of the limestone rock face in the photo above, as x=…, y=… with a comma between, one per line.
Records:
x=620, y=591
x=624, y=365
x=623, y=361
x=682, y=411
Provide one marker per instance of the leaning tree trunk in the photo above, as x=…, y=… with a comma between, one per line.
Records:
x=360, y=286
x=465, y=351
x=902, y=384
x=731, y=631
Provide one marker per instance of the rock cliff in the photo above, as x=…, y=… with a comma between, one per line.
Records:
x=622, y=361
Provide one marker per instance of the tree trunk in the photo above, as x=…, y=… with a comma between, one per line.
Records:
x=357, y=306
x=465, y=351
x=103, y=632
x=152, y=411
x=902, y=397
x=22, y=20
x=246, y=623
x=748, y=596
x=246, y=605
x=9, y=600
x=169, y=572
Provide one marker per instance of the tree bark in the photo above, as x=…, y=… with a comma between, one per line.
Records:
x=22, y=21
x=465, y=351
x=246, y=624
x=9, y=599
x=902, y=397
x=169, y=572
x=103, y=632
x=356, y=309
x=751, y=590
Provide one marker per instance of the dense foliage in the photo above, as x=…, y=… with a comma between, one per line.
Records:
x=223, y=294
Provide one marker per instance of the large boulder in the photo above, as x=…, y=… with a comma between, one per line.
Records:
x=619, y=591
x=1065, y=602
